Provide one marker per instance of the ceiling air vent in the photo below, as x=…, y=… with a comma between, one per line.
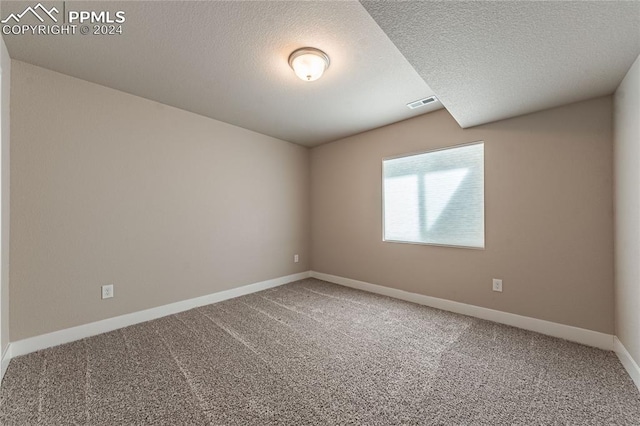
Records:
x=422, y=102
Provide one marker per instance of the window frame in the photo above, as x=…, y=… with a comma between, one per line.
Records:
x=484, y=207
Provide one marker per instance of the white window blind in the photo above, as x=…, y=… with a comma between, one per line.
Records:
x=436, y=197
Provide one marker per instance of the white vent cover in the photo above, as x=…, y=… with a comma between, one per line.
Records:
x=422, y=102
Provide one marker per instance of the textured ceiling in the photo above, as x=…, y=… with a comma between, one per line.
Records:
x=488, y=61
x=228, y=61
x=485, y=61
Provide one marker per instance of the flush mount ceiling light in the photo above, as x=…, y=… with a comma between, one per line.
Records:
x=309, y=63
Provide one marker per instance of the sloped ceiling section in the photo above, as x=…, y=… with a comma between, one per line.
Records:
x=488, y=61
x=228, y=61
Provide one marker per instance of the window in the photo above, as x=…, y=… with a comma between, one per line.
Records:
x=436, y=197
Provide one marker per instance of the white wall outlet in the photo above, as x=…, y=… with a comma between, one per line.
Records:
x=107, y=291
x=296, y=258
x=497, y=285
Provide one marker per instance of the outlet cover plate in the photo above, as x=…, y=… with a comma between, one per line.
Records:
x=107, y=291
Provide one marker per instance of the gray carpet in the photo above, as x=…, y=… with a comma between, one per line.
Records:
x=311, y=352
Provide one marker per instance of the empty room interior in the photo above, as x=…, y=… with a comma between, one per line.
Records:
x=320, y=213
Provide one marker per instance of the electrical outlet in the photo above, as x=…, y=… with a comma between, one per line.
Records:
x=107, y=291
x=296, y=258
x=497, y=285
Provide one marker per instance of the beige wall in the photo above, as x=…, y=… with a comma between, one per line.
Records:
x=5, y=77
x=627, y=203
x=549, y=214
x=165, y=204
x=168, y=205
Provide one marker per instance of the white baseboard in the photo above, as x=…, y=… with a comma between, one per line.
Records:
x=32, y=344
x=579, y=335
x=629, y=364
x=6, y=357
x=567, y=332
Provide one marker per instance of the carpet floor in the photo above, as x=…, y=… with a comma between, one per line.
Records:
x=314, y=353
